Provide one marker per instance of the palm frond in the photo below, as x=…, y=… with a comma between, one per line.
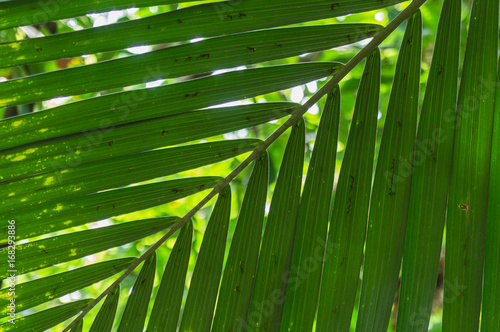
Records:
x=467, y=213
x=349, y=213
x=237, y=282
x=117, y=147
x=491, y=290
x=312, y=222
x=391, y=188
x=202, y=296
x=167, y=305
x=205, y=20
x=134, y=315
x=275, y=256
x=106, y=315
x=430, y=180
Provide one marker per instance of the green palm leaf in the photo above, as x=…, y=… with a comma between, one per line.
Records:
x=206, y=20
x=236, y=287
x=217, y=53
x=43, y=320
x=469, y=187
x=430, y=179
x=107, y=112
x=66, y=152
x=57, y=249
x=14, y=12
x=134, y=315
x=275, y=257
x=391, y=188
x=491, y=291
x=106, y=315
x=103, y=205
x=350, y=209
x=78, y=327
x=35, y=292
x=74, y=181
x=202, y=296
x=108, y=154
x=166, y=309
x=310, y=237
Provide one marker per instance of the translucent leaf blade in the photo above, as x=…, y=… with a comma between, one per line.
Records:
x=35, y=292
x=99, y=206
x=237, y=282
x=203, y=56
x=275, y=257
x=44, y=320
x=167, y=306
x=430, y=180
x=106, y=315
x=79, y=149
x=202, y=296
x=310, y=237
x=205, y=20
x=391, y=188
x=350, y=208
x=134, y=314
x=104, y=113
x=47, y=252
x=469, y=186
x=490, y=320
x=70, y=182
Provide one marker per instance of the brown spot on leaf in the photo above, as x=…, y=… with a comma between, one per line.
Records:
x=465, y=207
x=393, y=170
x=332, y=7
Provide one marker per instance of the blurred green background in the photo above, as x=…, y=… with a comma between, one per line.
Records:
x=389, y=52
